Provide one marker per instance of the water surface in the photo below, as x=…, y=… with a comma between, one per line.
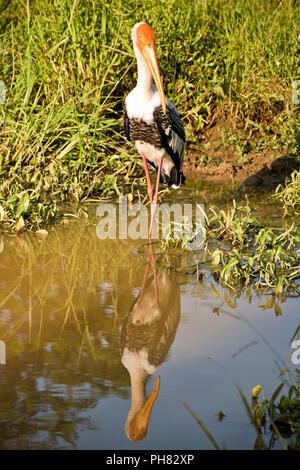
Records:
x=70, y=305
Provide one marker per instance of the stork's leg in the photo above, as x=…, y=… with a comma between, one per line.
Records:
x=151, y=260
x=144, y=281
x=153, y=264
x=154, y=203
x=150, y=187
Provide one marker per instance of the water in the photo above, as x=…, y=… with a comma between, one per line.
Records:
x=67, y=305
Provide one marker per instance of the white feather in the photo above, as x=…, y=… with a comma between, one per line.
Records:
x=134, y=360
x=140, y=108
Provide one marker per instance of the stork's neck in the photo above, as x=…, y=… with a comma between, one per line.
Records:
x=138, y=393
x=138, y=384
x=144, y=80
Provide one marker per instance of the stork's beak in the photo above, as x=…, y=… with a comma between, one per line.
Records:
x=148, y=52
x=139, y=424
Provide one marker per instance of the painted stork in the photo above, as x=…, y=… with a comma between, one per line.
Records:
x=152, y=123
x=147, y=334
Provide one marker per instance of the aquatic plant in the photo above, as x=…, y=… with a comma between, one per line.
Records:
x=244, y=252
x=279, y=416
x=289, y=195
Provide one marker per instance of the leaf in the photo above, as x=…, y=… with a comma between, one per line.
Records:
x=23, y=205
x=20, y=224
x=231, y=264
x=297, y=332
x=103, y=23
x=215, y=258
x=214, y=291
x=216, y=311
x=277, y=432
x=2, y=212
x=256, y=391
x=277, y=310
x=228, y=301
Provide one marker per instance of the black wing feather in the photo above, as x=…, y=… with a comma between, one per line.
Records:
x=167, y=123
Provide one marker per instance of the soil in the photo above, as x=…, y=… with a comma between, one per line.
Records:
x=217, y=159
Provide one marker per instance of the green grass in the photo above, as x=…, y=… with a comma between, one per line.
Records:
x=289, y=196
x=248, y=253
x=68, y=66
x=242, y=252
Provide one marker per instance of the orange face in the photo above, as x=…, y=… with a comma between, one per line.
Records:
x=145, y=44
x=145, y=36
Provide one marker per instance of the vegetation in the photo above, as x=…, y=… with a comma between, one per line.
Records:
x=289, y=196
x=275, y=419
x=281, y=413
x=68, y=65
x=240, y=251
x=269, y=258
x=65, y=68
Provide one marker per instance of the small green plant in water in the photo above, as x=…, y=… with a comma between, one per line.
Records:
x=271, y=260
x=246, y=253
x=289, y=196
x=281, y=413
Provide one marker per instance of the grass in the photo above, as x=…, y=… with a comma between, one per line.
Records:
x=250, y=254
x=68, y=65
x=289, y=196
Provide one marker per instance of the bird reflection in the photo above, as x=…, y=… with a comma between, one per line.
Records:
x=147, y=334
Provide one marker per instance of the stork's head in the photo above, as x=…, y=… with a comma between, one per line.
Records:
x=143, y=41
x=136, y=429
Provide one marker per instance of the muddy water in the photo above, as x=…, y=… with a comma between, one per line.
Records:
x=90, y=324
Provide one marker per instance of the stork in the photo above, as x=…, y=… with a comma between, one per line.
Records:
x=152, y=123
x=147, y=334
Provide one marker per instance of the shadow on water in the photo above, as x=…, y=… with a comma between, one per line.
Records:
x=87, y=323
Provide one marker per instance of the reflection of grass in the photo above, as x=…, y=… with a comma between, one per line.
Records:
x=58, y=324
x=55, y=277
